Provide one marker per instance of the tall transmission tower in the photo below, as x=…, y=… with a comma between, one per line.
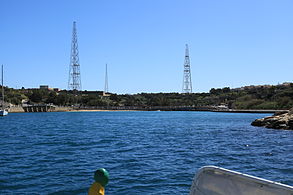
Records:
x=106, y=81
x=74, y=81
x=187, y=85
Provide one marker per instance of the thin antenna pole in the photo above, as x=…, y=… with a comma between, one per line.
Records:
x=2, y=90
x=106, y=80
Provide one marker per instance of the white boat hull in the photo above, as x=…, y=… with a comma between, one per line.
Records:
x=213, y=180
x=3, y=112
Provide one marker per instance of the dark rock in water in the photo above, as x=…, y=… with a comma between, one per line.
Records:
x=277, y=121
x=258, y=122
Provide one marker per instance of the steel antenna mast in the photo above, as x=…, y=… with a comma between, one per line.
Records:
x=74, y=82
x=106, y=80
x=187, y=85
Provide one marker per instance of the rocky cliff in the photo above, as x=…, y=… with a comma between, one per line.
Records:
x=282, y=120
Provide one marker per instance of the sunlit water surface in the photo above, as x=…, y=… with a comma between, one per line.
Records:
x=144, y=152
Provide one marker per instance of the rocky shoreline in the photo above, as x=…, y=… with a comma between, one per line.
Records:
x=280, y=120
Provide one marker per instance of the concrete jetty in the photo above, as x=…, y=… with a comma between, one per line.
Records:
x=39, y=108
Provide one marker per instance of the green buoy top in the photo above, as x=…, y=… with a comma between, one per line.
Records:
x=102, y=176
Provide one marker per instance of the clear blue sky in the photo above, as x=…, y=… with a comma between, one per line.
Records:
x=232, y=43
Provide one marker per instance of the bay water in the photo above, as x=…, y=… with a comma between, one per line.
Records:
x=144, y=152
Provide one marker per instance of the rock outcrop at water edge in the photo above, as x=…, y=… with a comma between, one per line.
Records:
x=277, y=121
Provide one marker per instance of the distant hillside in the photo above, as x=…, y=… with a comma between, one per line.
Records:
x=250, y=97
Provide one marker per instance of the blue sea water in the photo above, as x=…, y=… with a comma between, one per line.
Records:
x=144, y=152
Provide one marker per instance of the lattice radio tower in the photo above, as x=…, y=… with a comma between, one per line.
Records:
x=187, y=85
x=74, y=81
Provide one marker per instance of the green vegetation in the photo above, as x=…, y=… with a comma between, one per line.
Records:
x=252, y=97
